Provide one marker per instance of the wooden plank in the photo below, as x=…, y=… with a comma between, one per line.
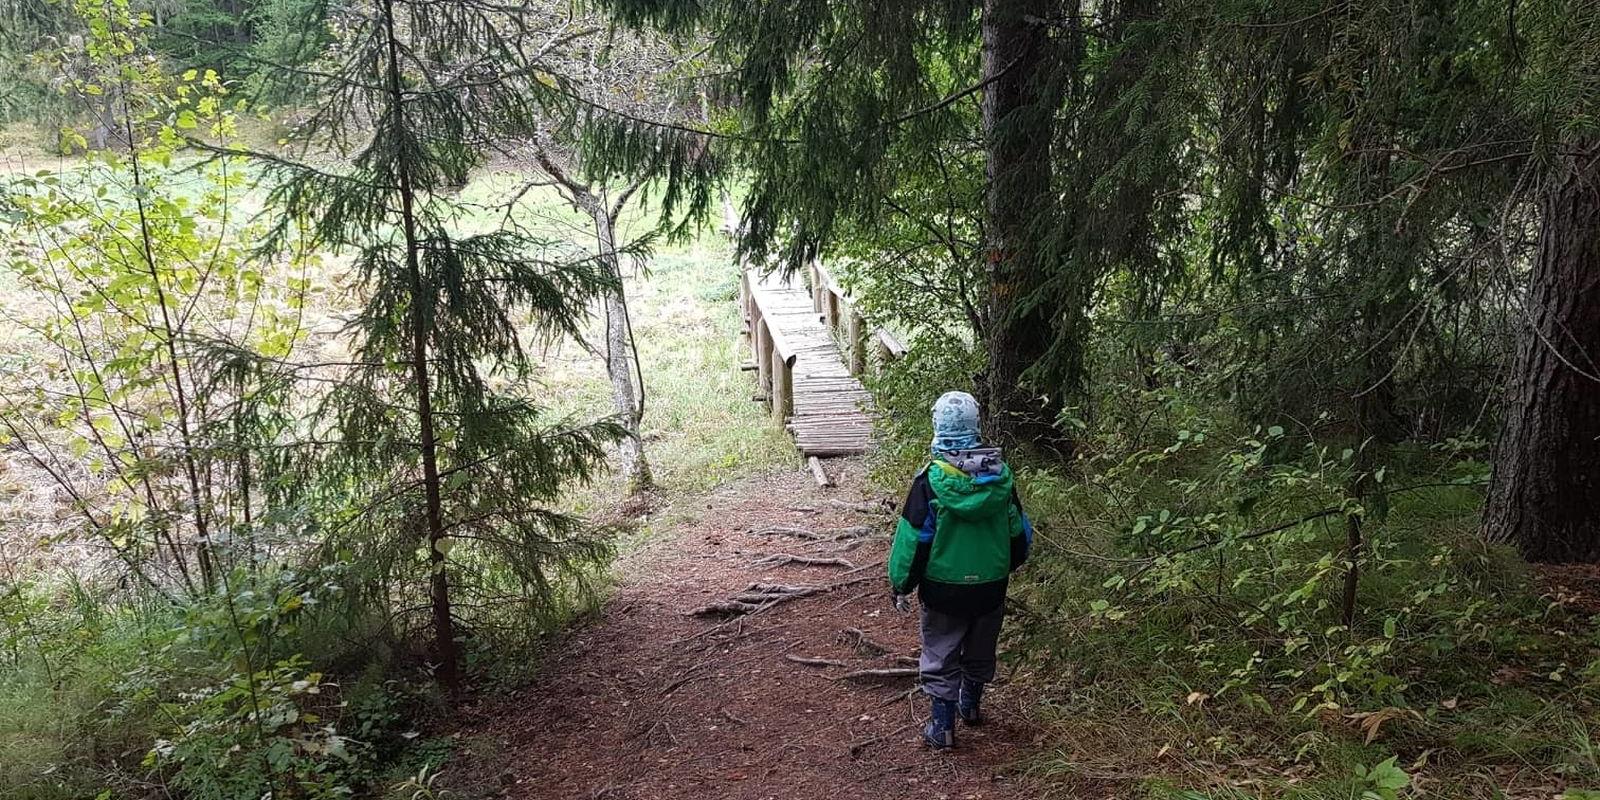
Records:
x=812, y=385
x=819, y=473
x=888, y=346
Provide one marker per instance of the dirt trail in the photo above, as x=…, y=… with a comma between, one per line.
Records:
x=650, y=703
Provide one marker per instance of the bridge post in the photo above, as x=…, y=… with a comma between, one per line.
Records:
x=857, y=336
x=763, y=346
x=782, y=393
x=747, y=322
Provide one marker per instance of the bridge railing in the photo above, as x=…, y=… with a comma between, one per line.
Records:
x=840, y=315
x=774, y=355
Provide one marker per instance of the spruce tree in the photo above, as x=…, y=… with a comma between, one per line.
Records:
x=1546, y=480
x=440, y=439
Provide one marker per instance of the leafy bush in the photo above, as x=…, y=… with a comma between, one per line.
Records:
x=1197, y=580
x=904, y=392
x=210, y=698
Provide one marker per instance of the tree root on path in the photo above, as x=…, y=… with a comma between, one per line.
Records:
x=859, y=508
x=731, y=608
x=776, y=593
x=841, y=535
x=684, y=677
x=759, y=597
x=785, y=559
x=858, y=639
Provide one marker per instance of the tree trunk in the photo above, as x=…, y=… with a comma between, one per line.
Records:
x=1546, y=483
x=620, y=364
x=446, y=651
x=1017, y=116
x=619, y=355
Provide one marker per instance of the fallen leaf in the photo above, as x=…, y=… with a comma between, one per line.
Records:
x=1372, y=721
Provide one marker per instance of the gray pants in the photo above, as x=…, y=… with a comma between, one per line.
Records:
x=954, y=648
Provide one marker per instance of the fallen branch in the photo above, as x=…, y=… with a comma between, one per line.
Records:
x=859, y=508
x=898, y=696
x=818, y=473
x=814, y=662
x=856, y=532
x=852, y=599
x=875, y=675
x=857, y=747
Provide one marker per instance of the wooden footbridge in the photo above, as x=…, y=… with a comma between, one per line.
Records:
x=809, y=348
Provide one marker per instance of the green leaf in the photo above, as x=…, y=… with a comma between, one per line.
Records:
x=1388, y=778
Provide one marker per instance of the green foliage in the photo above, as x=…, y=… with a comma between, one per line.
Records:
x=1192, y=570
x=434, y=417
x=138, y=278
x=904, y=392
x=1383, y=781
x=208, y=697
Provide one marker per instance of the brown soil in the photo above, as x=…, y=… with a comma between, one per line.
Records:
x=1575, y=587
x=650, y=703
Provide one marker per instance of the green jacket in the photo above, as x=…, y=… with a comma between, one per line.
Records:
x=960, y=536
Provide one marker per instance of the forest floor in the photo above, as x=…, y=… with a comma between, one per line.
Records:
x=650, y=701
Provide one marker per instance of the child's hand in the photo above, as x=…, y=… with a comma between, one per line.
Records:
x=902, y=603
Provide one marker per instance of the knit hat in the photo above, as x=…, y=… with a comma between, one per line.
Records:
x=955, y=422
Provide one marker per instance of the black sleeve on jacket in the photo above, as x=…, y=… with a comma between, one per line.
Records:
x=1020, y=544
x=918, y=513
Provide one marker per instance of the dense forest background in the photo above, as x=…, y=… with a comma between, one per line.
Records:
x=324, y=321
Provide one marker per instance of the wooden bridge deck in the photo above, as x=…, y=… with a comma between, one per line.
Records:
x=806, y=376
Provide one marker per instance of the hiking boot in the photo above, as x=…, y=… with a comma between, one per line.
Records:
x=940, y=732
x=967, y=706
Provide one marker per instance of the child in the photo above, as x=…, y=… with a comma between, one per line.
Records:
x=960, y=536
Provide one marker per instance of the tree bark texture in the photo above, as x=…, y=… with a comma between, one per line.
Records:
x=620, y=362
x=619, y=353
x=1017, y=116
x=446, y=651
x=1545, y=492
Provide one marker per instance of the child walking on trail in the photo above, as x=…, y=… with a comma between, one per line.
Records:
x=961, y=534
